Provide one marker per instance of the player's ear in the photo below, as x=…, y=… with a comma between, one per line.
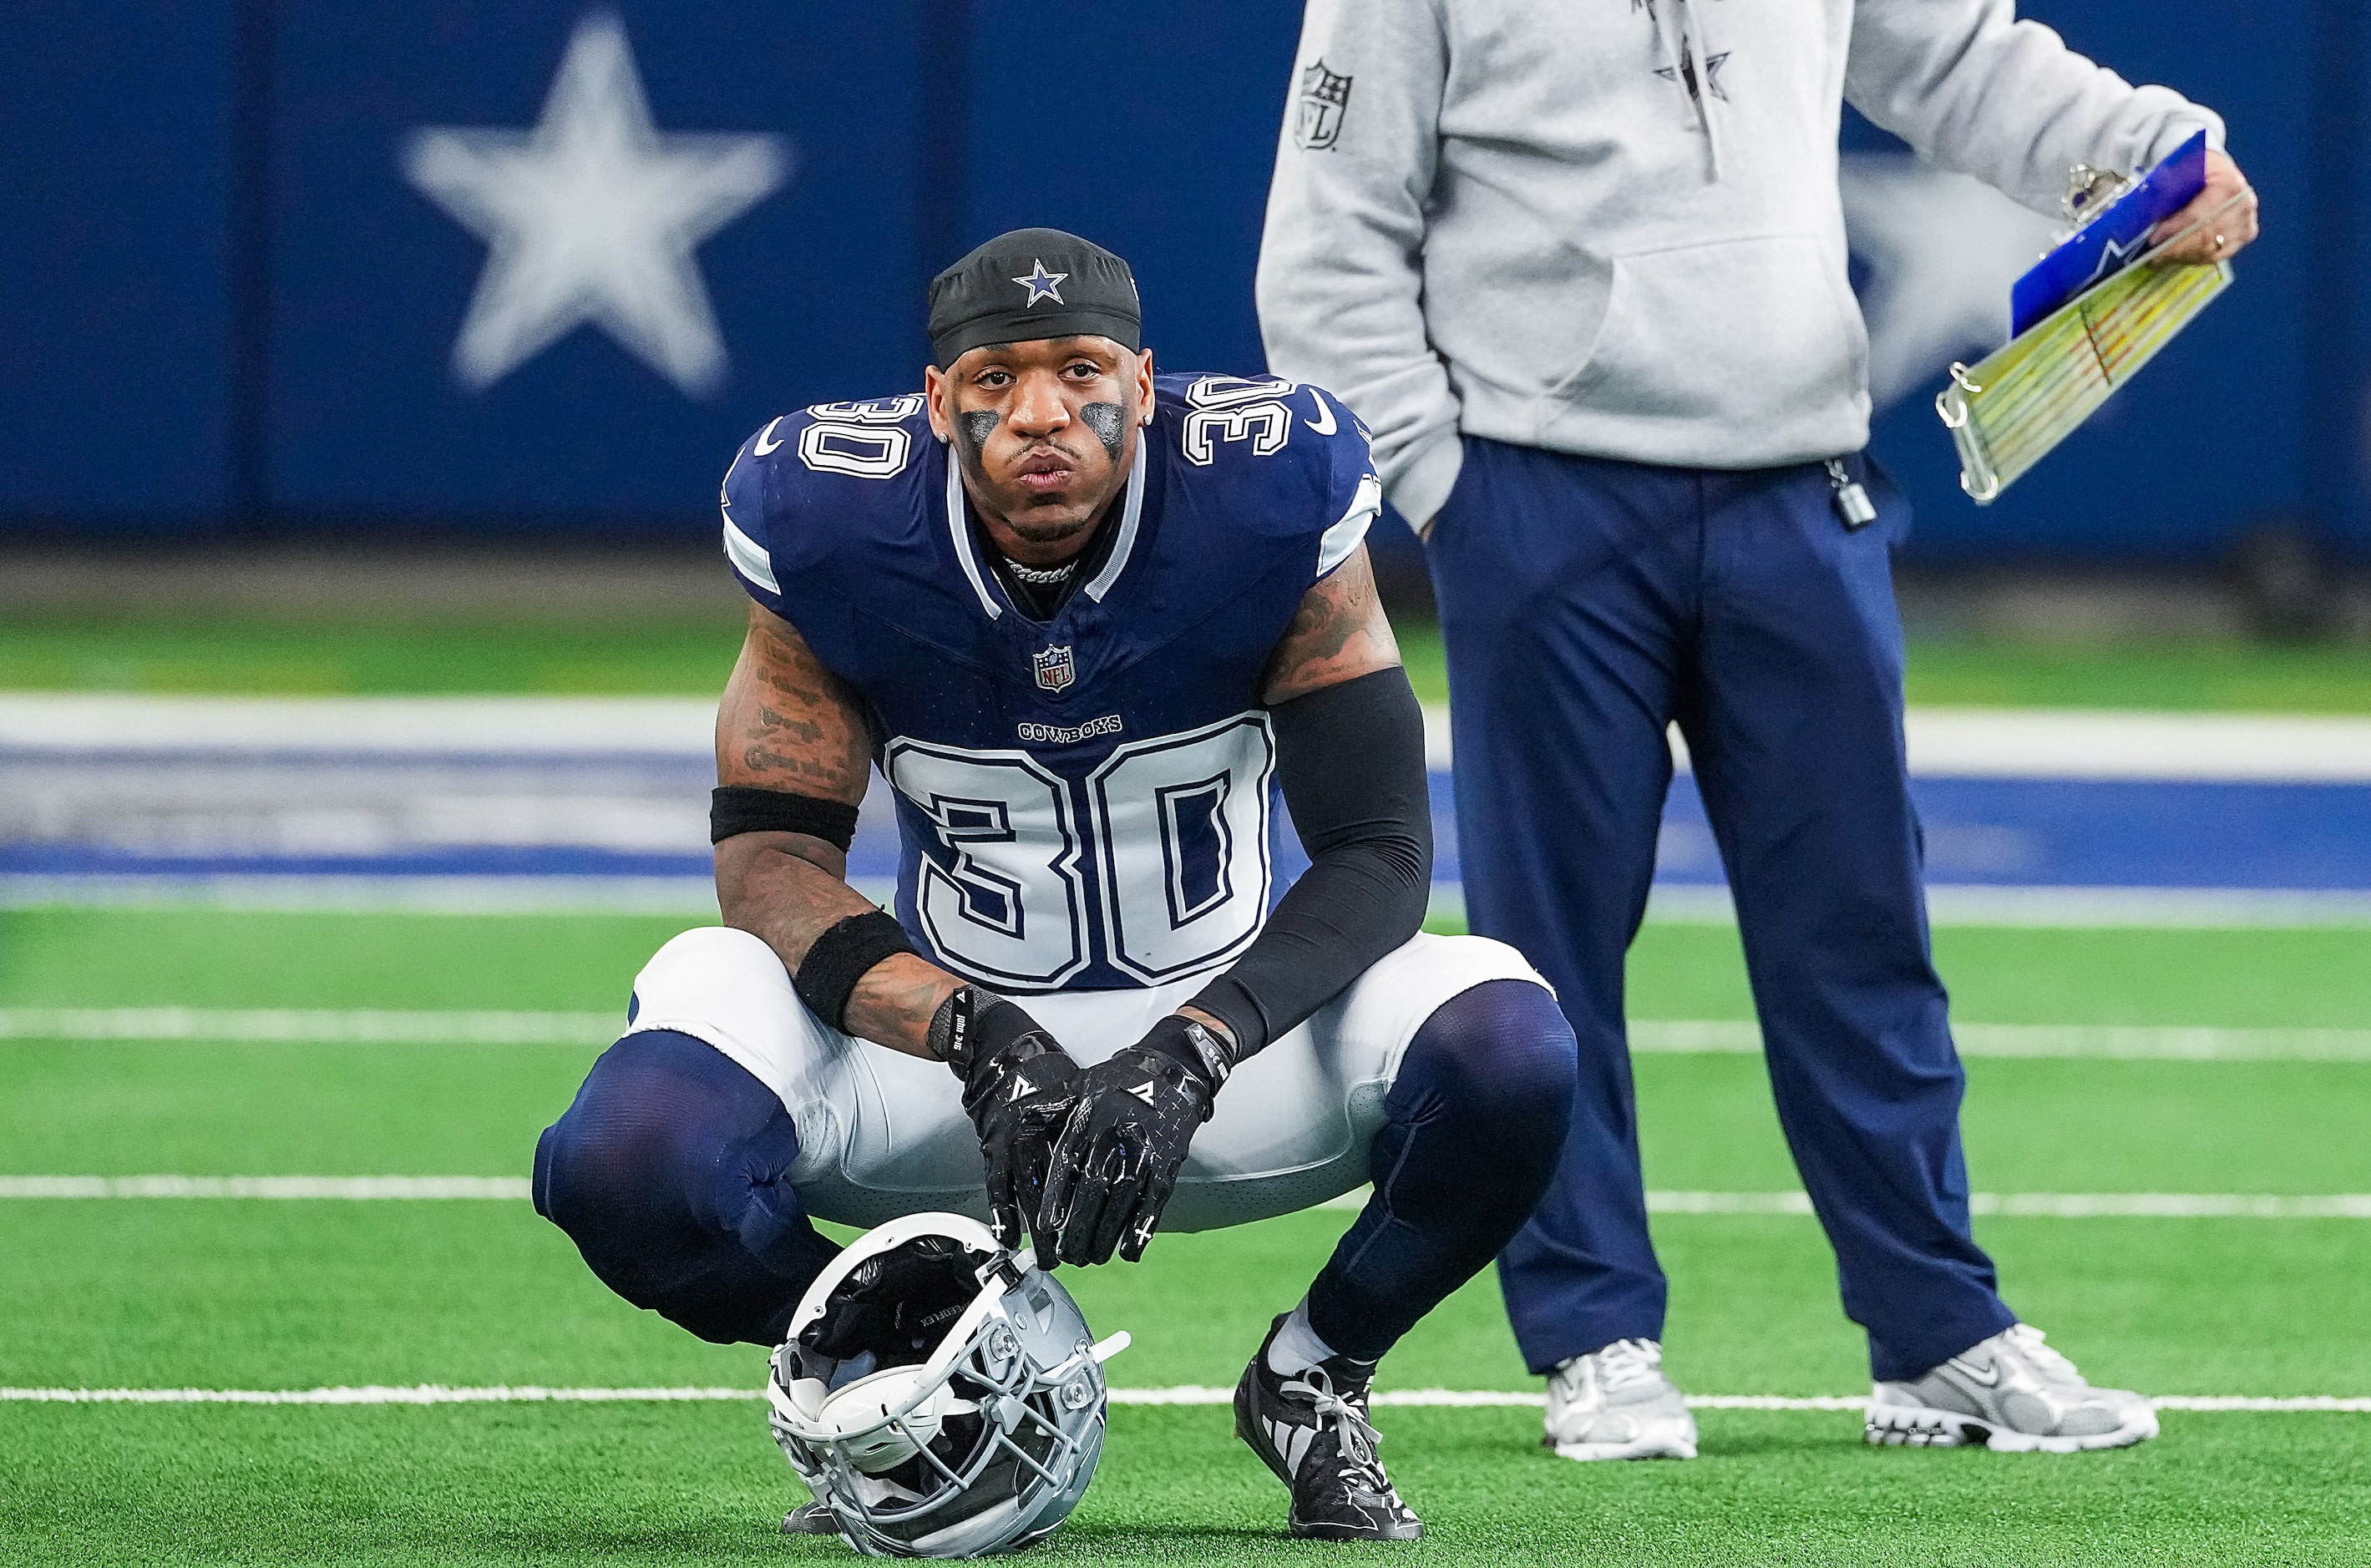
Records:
x=1144, y=386
x=934, y=399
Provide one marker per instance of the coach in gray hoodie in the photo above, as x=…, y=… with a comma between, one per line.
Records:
x=1580, y=266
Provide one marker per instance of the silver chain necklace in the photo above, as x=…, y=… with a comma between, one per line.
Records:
x=1041, y=576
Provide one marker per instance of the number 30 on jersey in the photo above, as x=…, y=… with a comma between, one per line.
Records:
x=1176, y=830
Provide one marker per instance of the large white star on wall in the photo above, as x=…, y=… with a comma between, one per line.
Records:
x=592, y=216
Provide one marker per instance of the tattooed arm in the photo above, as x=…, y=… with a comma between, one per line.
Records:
x=789, y=723
x=1338, y=634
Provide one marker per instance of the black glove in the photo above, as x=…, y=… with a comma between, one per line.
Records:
x=1116, y=1161
x=1019, y=1087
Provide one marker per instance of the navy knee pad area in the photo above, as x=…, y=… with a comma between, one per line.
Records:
x=671, y=1173
x=1473, y=1128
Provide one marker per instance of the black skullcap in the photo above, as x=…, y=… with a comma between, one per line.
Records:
x=1029, y=284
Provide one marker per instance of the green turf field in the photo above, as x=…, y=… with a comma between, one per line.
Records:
x=690, y=656
x=256, y=1293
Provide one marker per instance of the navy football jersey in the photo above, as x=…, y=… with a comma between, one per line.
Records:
x=1082, y=802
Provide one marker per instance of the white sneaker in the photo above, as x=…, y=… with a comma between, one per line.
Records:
x=2013, y=1393
x=1615, y=1403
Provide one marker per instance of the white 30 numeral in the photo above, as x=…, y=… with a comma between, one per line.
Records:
x=866, y=438
x=1181, y=823
x=1235, y=408
x=1012, y=906
x=877, y=452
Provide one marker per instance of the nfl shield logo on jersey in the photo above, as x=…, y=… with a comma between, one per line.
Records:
x=1324, y=96
x=1054, y=671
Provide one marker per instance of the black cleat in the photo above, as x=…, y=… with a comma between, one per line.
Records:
x=1312, y=1430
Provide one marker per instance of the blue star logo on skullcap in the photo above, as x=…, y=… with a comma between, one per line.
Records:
x=1041, y=285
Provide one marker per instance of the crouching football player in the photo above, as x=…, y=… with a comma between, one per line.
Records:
x=1079, y=618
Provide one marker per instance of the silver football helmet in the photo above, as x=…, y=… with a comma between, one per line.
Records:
x=940, y=1396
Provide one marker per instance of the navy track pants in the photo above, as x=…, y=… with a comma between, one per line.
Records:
x=1586, y=605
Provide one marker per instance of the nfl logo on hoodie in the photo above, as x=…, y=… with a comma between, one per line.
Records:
x=1325, y=98
x=1053, y=666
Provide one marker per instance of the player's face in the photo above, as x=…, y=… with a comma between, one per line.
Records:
x=1046, y=432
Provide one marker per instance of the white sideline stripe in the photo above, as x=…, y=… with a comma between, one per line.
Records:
x=514, y=1189
x=694, y=897
x=2071, y=744
x=510, y=1189
x=1451, y=1399
x=371, y=1026
x=2098, y=743
x=455, y=726
x=1969, y=904
x=1943, y=742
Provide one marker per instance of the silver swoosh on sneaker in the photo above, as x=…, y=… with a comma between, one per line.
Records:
x=1988, y=1377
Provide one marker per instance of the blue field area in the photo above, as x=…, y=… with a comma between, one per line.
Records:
x=2100, y=833
x=89, y=819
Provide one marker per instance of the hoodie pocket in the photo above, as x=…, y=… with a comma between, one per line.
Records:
x=1737, y=328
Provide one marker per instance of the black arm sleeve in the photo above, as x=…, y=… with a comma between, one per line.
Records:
x=1351, y=760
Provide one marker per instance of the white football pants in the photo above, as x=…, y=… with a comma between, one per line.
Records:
x=883, y=1134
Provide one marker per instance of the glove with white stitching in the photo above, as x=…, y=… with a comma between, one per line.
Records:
x=1019, y=1088
x=1115, y=1163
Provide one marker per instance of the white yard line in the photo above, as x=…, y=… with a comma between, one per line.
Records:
x=365, y=1026
x=364, y=1189
x=1452, y=1399
x=514, y=1189
x=387, y=1026
x=2076, y=1041
x=2060, y=1206
x=2025, y=1205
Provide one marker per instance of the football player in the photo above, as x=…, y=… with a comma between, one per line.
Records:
x=1080, y=619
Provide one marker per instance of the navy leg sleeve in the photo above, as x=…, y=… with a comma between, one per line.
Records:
x=671, y=1173
x=1473, y=1127
x=1566, y=599
x=1795, y=726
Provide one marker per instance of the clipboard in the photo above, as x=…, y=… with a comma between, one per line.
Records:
x=2097, y=309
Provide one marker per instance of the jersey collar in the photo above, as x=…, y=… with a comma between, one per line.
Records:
x=958, y=520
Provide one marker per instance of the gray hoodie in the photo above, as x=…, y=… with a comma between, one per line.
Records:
x=1613, y=227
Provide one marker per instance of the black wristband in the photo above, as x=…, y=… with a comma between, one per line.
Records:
x=1195, y=1046
x=734, y=809
x=840, y=957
